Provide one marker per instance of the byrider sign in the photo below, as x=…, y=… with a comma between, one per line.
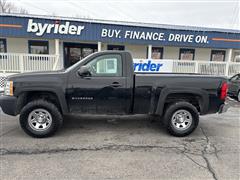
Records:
x=91, y=31
x=154, y=36
x=152, y=65
x=66, y=28
x=39, y=28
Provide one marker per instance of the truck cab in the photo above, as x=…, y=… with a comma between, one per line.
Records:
x=102, y=84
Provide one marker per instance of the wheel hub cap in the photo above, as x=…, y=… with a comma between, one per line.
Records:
x=181, y=119
x=40, y=119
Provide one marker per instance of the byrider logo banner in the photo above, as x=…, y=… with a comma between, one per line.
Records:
x=152, y=65
x=40, y=29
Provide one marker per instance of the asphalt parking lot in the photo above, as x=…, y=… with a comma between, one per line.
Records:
x=123, y=148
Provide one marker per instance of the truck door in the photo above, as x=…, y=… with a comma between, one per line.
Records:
x=103, y=91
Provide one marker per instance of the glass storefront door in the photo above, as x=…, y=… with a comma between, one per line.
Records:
x=74, y=52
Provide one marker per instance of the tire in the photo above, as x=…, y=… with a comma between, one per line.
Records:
x=181, y=118
x=40, y=118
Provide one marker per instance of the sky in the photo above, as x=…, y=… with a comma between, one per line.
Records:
x=203, y=13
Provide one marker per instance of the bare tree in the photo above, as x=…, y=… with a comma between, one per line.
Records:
x=8, y=7
x=82, y=16
x=5, y=6
x=23, y=11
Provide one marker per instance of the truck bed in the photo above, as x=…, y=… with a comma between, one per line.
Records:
x=149, y=87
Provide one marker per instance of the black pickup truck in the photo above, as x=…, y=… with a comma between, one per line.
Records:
x=105, y=83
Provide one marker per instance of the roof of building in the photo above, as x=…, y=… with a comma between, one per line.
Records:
x=126, y=23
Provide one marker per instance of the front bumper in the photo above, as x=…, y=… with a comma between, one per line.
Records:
x=223, y=108
x=8, y=105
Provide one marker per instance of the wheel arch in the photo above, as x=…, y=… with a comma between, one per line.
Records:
x=199, y=98
x=51, y=95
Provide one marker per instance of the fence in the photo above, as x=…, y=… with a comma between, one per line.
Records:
x=17, y=63
x=206, y=67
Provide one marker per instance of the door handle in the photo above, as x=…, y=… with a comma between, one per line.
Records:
x=116, y=84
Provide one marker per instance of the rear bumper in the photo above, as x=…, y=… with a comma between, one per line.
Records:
x=8, y=104
x=223, y=108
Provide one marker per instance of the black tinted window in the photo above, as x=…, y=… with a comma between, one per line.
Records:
x=3, y=46
x=38, y=47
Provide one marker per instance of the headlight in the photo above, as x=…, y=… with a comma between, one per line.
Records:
x=8, y=89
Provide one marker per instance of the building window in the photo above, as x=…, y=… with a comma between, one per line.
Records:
x=38, y=47
x=157, y=53
x=186, y=54
x=218, y=55
x=3, y=46
x=115, y=47
x=236, y=56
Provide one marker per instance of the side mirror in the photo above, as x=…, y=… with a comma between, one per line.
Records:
x=84, y=71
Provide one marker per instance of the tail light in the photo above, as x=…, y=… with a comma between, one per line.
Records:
x=224, y=90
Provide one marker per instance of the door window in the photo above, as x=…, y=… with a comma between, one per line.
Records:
x=106, y=65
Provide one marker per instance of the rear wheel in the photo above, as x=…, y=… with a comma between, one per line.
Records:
x=181, y=118
x=40, y=118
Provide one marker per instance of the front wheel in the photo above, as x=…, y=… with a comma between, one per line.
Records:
x=40, y=118
x=181, y=118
